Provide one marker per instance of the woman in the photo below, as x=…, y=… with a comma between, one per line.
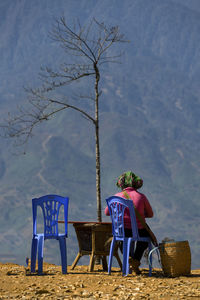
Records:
x=129, y=184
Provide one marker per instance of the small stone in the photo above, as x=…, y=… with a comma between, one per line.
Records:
x=42, y=291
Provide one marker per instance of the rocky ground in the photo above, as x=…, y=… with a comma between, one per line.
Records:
x=16, y=282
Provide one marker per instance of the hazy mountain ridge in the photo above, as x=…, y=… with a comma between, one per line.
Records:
x=192, y=4
x=149, y=116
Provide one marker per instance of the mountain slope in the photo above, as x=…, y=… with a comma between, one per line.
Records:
x=149, y=117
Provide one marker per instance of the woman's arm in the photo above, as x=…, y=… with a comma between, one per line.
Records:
x=107, y=211
x=148, y=212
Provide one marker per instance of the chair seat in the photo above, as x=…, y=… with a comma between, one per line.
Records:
x=55, y=237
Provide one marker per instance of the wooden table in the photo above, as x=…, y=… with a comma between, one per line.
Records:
x=94, y=239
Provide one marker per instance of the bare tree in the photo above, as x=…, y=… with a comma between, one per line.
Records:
x=88, y=48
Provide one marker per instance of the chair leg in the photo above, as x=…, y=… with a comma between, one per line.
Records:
x=33, y=253
x=40, y=253
x=112, y=247
x=63, y=252
x=79, y=255
x=128, y=271
x=125, y=266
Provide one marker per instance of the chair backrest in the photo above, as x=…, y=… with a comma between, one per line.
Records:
x=50, y=205
x=117, y=206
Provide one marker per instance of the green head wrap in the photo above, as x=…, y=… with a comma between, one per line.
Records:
x=129, y=179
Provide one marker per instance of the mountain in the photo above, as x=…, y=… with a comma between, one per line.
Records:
x=149, y=118
x=193, y=4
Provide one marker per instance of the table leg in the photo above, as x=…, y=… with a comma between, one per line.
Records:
x=92, y=261
x=104, y=263
x=76, y=261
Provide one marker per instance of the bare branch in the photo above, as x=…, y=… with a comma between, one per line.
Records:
x=23, y=124
x=70, y=40
x=91, y=44
x=87, y=48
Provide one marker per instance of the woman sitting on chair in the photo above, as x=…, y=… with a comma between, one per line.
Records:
x=130, y=183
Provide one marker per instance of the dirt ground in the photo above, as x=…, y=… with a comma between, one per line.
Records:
x=16, y=282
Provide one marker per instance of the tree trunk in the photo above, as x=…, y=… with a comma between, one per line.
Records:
x=98, y=177
x=98, y=173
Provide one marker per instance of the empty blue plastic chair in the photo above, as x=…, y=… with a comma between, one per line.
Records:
x=117, y=206
x=50, y=205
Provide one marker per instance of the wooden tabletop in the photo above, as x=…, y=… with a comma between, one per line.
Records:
x=82, y=222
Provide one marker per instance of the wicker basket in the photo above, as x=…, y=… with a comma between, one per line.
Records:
x=175, y=258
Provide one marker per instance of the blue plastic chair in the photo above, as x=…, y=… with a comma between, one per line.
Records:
x=50, y=205
x=117, y=206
